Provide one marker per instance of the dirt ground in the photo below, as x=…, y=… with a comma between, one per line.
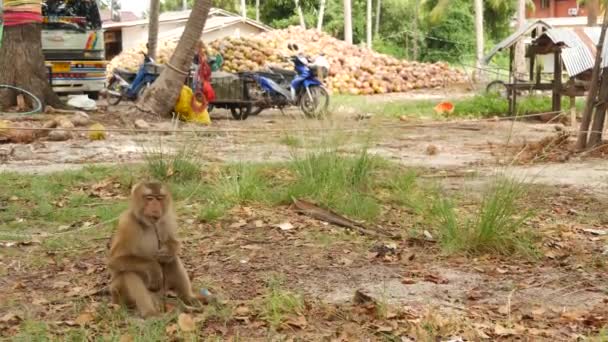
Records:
x=415, y=291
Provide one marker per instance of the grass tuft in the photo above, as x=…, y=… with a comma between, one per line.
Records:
x=179, y=166
x=496, y=228
x=279, y=303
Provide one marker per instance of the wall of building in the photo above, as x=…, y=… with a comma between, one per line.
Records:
x=555, y=8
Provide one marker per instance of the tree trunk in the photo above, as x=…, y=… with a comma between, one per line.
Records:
x=184, y=5
x=415, y=30
x=378, y=13
x=321, y=15
x=599, y=119
x=300, y=14
x=581, y=142
x=479, y=38
x=244, y=9
x=22, y=65
x=162, y=95
x=520, y=48
x=369, y=24
x=153, y=28
x=348, y=22
x=257, y=10
x=592, y=9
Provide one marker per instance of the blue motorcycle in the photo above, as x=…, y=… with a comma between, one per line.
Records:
x=282, y=88
x=131, y=85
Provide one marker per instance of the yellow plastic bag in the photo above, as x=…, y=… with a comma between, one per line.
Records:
x=183, y=108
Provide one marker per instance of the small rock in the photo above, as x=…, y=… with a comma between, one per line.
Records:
x=432, y=150
x=59, y=135
x=141, y=124
x=80, y=119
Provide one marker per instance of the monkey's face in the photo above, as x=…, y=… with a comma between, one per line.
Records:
x=151, y=201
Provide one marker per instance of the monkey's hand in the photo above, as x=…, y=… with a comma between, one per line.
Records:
x=155, y=277
x=165, y=255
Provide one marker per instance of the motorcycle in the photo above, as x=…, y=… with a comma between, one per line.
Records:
x=281, y=88
x=129, y=85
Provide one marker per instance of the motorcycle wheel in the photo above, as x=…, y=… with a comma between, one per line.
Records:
x=318, y=105
x=114, y=86
x=142, y=90
x=241, y=113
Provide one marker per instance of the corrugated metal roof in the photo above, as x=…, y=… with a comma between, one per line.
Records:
x=515, y=37
x=578, y=53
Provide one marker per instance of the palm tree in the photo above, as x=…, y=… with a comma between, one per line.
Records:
x=153, y=28
x=321, y=15
x=300, y=14
x=378, y=12
x=244, y=9
x=348, y=22
x=520, y=48
x=369, y=24
x=479, y=37
x=257, y=10
x=161, y=97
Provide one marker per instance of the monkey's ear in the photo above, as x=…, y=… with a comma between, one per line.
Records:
x=135, y=187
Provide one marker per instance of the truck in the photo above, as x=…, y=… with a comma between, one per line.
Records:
x=73, y=46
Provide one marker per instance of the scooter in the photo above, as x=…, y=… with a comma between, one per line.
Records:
x=130, y=85
x=304, y=90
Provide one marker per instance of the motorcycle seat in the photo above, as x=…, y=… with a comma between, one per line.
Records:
x=284, y=72
x=126, y=74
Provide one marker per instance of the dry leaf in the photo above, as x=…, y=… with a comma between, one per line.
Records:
x=10, y=318
x=126, y=338
x=186, y=323
x=285, y=226
x=297, y=322
x=84, y=318
x=242, y=311
x=171, y=329
x=502, y=331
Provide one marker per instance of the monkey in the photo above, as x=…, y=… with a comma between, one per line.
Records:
x=144, y=253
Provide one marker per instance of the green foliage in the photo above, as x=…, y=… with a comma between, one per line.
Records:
x=278, y=303
x=452, y=36
x=496, y=227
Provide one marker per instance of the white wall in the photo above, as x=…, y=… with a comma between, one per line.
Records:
x=135, y=36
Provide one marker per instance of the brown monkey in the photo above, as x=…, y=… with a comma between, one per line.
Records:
x=144, y=251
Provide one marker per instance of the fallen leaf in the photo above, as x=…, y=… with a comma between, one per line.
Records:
x=84, y=318
x=10, y=318
x=502, y=270
x=428, y=235
x=297, y=322
x=502, y=331
x=239, y=224
x=258, y=223
x=242, y=311
x=433, y=278
x=171, y=329
x=252, y=247
x=408, y=281
x=126, y=338
x=573, y=316
x=185, y=322
x=285, y=226
x=598, y=232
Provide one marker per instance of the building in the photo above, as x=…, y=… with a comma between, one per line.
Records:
x=560, y=13
x=132, y=33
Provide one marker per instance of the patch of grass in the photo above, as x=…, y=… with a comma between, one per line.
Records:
x=179, y=166
x=339, y=182
x=241, y=183
x=498, y=225
x=279, y=303
x=291, y=141
x=482, y=105
x=32, y=331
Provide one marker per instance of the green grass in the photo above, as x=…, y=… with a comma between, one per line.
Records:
x=279, y=303
x=478, y=106
x=181, y=165
x=496, y=227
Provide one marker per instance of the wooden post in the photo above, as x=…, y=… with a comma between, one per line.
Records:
x=532, y=60
x=597, y=128
x=510, y=90
x=573, y=111
x=581, y=142
x=557, y=81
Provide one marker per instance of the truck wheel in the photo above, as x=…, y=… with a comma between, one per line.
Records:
x=241, y=112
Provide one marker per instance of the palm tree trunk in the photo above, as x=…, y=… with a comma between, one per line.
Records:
x=244, y=9
x=348, y=22
x=378, y=13
x=162, y=95
x=479, y=38
x=153, y=28
x=321, y=15
x=520, y=48
x=415, y=29
x=184, y=5
x=257, y=10
x=300, y=14
x=592, y=9
x=369, y=24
